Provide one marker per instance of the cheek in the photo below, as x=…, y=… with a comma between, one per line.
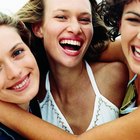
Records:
x=51, y=28
x=125, y=50
x=33, y=68
x=128, y=31
x=4, y=95
x=89, y=33
x=49, y=34
x=124, y=43
x=2, y=77
x=30, y=62
x=33, y=65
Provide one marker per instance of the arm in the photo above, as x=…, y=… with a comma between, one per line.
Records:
x=113, y=52
x=124, y=128
x=30, y=126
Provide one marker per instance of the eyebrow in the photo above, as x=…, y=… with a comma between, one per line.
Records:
x=15, y=46
x=130, y=12
x=63, y=10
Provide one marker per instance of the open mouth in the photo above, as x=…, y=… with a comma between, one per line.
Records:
x=136, y=51
x=71, y=45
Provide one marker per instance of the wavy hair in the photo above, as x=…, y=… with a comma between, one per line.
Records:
x=33, y=12
x=20, y=27
x=111, y=13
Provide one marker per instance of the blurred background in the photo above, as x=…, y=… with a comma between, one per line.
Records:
x=11, y=6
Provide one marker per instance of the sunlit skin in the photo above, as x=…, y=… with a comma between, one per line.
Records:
x=19, y=72
x=66, y=23
x=66, y=31
x=61, y=24
x=130, y=34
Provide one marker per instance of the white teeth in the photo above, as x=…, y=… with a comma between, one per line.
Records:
x=21, y=85
x=71, y=42
x=137, y=50
x=137, y=54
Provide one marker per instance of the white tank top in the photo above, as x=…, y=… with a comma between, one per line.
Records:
x=104, y=110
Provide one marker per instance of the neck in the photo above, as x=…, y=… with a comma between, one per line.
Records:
x=65, y=83
x=24, y=106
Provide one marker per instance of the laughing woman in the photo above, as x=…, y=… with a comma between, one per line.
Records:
x=75, y=83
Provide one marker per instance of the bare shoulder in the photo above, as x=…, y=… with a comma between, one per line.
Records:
x=118, y=70
x=112, y=79
x=113, y=52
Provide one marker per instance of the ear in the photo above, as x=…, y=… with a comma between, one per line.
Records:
x=37, y=29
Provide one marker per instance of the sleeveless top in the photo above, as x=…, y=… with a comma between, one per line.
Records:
x=104, y=110
x=129, y=103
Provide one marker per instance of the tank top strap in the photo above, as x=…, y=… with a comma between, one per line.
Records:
x=132, y=80
x=47, y=84
x=92, y=79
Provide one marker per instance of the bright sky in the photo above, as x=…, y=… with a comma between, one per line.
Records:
x=11, y=6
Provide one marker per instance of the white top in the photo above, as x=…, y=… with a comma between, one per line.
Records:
x=104, y=110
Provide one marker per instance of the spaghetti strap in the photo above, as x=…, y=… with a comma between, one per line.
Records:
x=47, y=84
x=92, y=79
x=133, y=79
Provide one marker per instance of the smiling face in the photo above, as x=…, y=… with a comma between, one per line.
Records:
x=130, y=34
x=67, y=30
x=19, y=73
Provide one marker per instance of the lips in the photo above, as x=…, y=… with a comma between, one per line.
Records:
x=137, y=52
x=21, y=85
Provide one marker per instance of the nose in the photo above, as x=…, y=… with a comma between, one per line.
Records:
x=74, y=27
x=12, y=70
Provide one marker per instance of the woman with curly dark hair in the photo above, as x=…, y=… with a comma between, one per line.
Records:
x=124, y=21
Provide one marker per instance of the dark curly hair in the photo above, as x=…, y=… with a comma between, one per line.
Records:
x=100, y=38
x=111, y=13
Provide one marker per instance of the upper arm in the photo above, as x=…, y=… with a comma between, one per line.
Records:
x=117, y=75
x=119, y=80
x=124, y=128
x=113, y=52
x=112, y=79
